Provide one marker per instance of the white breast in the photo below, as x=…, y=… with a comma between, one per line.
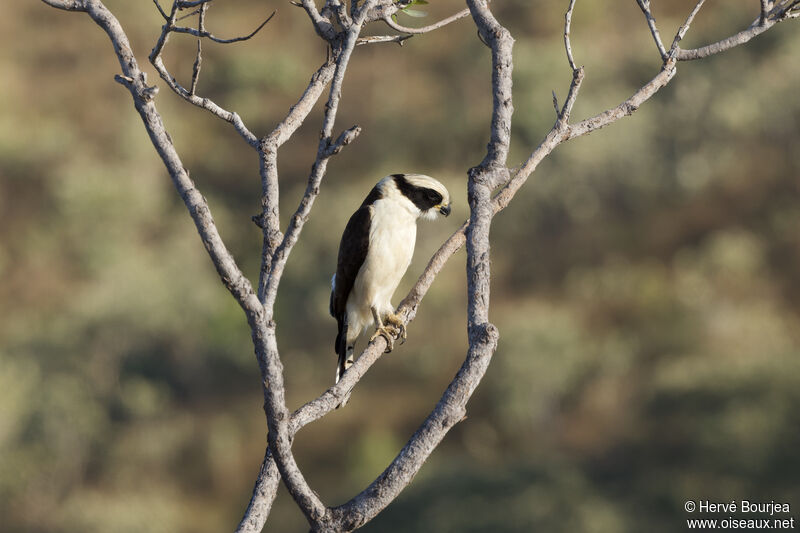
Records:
x=393, y=233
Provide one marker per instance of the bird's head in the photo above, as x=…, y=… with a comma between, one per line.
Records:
x=426, y=193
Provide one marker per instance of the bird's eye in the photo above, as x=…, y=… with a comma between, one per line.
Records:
x=433, y=196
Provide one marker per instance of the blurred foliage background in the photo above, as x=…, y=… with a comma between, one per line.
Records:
x=646, y=280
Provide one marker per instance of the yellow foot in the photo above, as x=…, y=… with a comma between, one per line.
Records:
x=387, y=333
x=397, y=323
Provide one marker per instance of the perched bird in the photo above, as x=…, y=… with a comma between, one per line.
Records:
x=375, y=251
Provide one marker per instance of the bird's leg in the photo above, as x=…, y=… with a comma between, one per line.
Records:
x=383, y=331
x=397, y=322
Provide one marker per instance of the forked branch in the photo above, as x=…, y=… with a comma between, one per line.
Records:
x=190, y=95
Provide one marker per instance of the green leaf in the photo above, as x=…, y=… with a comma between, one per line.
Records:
x=414, y=13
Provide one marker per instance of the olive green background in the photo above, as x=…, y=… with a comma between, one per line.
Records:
x=646, y=280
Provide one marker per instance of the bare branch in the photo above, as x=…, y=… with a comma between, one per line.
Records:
x=407, y=309
x=567, y=24
x=189, y=95
x=193, y=13
x=322, y=26
x=299, y=111
x=135, y=80
x=196, y=67
x=340, y=12
x=266, y=345
x=269, y=219
x=572, y=96
x=373, y=39
x=555, y=104
x=160, y=10
x=762, y=17
x=501, y=43
x=651, y=22
x=345, y=138
x=483, y=336
x=300, y=216
x=209, y=35
x=201, y=24
x=67, y=5
x=778, y=14
x=205, y=103
x=280, y=440
x=684, y=28
x=425, y=29
x=264, y=491
x=560, y=133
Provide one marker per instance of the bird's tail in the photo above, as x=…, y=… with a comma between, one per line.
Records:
x=345, y=362
x=345, y=353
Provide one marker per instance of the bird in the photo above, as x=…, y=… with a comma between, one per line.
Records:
x=374, y=253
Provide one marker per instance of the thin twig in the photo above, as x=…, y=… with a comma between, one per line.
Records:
x=373, y=39
x=567, y=24
x=196, y=67
x=277, y=418
x=189, y=95
x=425, y=29
x=685, y=27
x=201, y=24
x=300, y=216
x=644, y=5
x=205, y=103
x=778, y=14
x=160, y=10
x=193, y=13
x=209, y=35
x=572, y=96
x=165, y=30
x=269, y=219
x=67, y=5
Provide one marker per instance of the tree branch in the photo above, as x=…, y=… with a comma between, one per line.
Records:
x=67, y=5
x=189, y=95
x=266, y=344
x=322, y=26
x=483, y=336
x=644, y=5
x=684, y=28
x=269, y=219
x=567, y=24
x=500, y=41
x=203, y=33
x=135, y=80
x=260, y=505
x=762, y=17
x=374, y=39
x=324, y=152
x=779, y=13
x=425, y=29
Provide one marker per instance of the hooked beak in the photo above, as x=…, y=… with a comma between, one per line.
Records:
x=444, y=209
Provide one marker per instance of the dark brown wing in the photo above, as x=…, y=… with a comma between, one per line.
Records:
x=352, y=253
